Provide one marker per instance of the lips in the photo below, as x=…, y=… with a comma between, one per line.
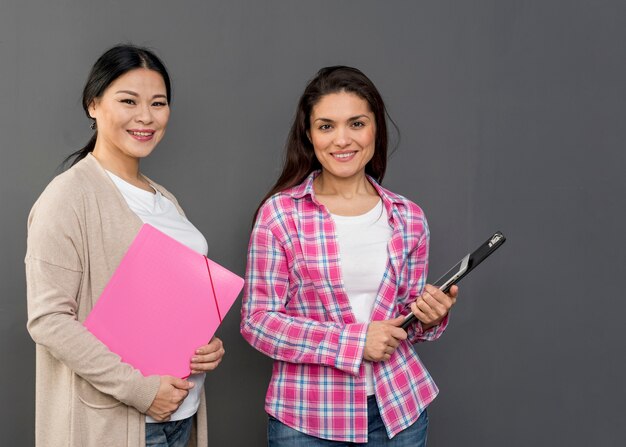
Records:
x=141, y=134
x=344, y=156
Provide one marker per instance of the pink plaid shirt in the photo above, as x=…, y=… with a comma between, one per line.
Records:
x=296, y=311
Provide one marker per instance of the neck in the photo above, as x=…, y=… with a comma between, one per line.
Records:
x=120, y=164
x=329, y=185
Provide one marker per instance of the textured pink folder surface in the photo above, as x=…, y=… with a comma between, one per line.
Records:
x=159, y=305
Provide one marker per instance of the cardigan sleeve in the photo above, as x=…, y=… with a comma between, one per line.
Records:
x=268, y=327
x=54, y=278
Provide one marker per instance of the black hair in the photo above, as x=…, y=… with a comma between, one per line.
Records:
x=111, y=65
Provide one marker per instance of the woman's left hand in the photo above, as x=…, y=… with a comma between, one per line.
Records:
x=433, y=305
x=207, y=356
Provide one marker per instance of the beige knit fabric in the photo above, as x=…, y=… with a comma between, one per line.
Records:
x=78, y=232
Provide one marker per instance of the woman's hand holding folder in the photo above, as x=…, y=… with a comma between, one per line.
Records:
x=172, y=392
x=207, y=357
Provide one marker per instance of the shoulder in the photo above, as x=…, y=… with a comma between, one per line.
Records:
x=410, y=215
x=65, y=191
x=55, y=221
x=276, y=208
x=289, y=201
x=70, y=193
x=413, y=211
x=82, y=179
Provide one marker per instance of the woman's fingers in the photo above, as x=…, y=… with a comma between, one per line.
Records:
x=208, y=356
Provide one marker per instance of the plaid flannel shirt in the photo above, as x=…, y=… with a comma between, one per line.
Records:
x=296, y=311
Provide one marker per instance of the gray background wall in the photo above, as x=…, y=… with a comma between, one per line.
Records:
x=511, y=115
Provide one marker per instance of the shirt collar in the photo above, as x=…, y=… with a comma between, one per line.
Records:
x=306, y=189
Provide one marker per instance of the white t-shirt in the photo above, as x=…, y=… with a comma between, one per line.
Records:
x=363, y=249
x=160, y=212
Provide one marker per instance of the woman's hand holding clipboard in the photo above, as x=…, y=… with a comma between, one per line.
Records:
x=462, y=268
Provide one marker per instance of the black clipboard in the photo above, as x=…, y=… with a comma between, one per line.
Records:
x=468, y=263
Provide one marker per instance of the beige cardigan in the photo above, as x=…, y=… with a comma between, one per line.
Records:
x=78, y=231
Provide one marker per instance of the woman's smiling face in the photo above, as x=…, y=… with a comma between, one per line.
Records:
x=132, y=114
x=343, y=134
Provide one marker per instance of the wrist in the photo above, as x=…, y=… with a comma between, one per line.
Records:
x=427, y=326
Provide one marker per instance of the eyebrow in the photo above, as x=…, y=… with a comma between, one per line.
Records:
x=130, y=92
x=352, y=118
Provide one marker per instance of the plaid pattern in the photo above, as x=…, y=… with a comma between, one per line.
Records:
x=296, y=311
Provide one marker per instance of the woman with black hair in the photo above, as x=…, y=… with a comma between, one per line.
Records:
x=78, y=231
x=334, y=262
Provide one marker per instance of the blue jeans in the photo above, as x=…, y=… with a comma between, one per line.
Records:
x=169, y=434
x=281, y=435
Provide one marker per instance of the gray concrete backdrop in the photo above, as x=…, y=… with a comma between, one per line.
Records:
x=511, y=116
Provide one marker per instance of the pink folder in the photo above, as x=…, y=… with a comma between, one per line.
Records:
x=163, y=301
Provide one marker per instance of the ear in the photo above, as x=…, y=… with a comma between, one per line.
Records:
x=308, y=135
x=92, y=109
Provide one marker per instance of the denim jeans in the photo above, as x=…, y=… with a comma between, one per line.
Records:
x=169, y=434
x=281, y=435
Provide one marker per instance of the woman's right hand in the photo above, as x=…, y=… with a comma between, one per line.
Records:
x=382, y=339
x=172, y=392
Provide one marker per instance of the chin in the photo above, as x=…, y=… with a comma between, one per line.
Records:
x=345, y=175
x=140, y=153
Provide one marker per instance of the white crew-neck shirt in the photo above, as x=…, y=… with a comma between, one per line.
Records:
x=363, y=244
x=160, y=212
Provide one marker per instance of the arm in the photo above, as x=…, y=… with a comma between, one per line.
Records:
x=54, y=277
x=267, y=326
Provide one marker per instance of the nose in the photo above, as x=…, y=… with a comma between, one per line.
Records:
x=342, y=138
x=144, y=114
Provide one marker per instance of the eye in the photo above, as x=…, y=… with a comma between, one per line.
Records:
x=159, y=104
x=324, y=127
x=358, y=124
x=128, y=101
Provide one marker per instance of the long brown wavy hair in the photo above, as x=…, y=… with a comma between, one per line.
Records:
x=300, y=159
